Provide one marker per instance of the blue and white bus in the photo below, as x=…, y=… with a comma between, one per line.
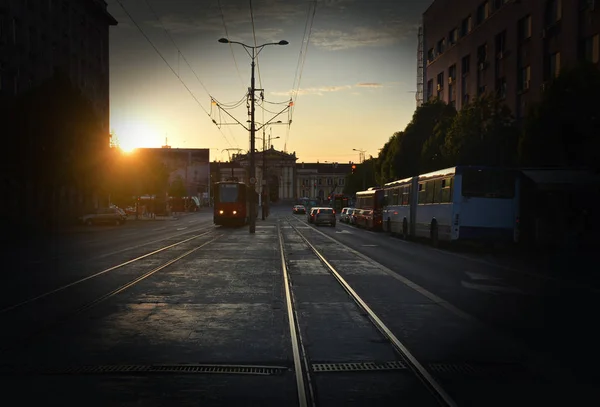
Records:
x=457, y=203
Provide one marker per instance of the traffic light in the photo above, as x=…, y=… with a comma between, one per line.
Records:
x=353, y=168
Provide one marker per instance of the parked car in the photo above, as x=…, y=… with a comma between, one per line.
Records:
x=344, y=214
x=299, y=210
x=325, y=216
x=105, y=215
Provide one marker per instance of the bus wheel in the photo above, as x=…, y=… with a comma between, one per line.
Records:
x=405, y=229
x=434, y=234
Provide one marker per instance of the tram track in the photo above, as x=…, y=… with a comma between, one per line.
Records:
x=306, y=367
x=34, y=307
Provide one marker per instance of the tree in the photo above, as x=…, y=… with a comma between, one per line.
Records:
x=562, y=130
x=363, y=178
x=402, y=156
x=482, y=133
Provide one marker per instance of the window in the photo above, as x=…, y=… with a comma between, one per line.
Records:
x=465, y=26
x=440, y=85
x=465, y=65
x=445, y=191
x=430, y=55
x=453, y=36
x=552, y=68
x=501, y=88
x=488, y=183
x=441, y=46
x=553, y=11
x=422, y=197
x=524, y=78
x=406, y=195
x=329, y=181
x=500, y=44
x=341, y=182
x=482, y=54
x=483, y=12
x=452, y=83
x=590, y=49
x=524, y=28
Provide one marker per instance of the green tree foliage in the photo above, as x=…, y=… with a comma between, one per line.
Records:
x=403, y=155
x=482, y=133
x=363, y=178
x=563, y=129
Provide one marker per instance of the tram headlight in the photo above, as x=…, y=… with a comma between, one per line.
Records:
x=220, y=212
x=235, y=212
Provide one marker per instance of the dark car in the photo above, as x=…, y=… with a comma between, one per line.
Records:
x=325, y=215
x=299, y=210
x=311, y=214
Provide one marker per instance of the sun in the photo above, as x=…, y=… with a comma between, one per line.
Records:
x=136, y=134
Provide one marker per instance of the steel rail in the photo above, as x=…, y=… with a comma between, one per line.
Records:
x=418, y=369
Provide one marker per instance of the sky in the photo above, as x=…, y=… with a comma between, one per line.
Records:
x=350, y=69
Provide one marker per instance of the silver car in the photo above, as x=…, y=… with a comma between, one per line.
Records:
x=325, y=215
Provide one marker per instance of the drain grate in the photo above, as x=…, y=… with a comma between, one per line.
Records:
x=357, y=367
x=150, y=369
x=478, y=369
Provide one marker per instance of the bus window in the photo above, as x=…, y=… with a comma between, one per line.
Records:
x=406, y=196
x=488, y=183
x=445, y=191
x=429, y=191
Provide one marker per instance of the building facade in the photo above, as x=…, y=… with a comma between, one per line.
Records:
x=190, y=165
x=510, y=47
x=281, y=178
x=38, y=37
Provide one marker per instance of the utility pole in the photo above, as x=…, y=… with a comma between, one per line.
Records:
x=263, y=189
x=255, y=51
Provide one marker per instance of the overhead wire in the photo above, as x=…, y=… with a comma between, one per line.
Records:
x=169, y=65
x=230, y=45
x=300, y=66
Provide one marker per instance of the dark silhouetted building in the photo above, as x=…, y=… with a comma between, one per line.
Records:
x=37, y=37
x=511, y=47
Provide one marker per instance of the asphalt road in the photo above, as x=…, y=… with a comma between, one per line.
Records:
x=204, y=295
x=524, y=299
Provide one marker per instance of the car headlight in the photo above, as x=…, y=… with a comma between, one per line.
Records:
x=235, y=212
x=220, y=212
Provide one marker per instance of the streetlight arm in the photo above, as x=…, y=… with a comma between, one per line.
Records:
x=274, y=117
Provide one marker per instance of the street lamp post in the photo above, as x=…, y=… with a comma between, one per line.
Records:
x=255, y=51
x=361, y=158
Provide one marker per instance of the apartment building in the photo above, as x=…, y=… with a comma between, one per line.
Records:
x=510, y=47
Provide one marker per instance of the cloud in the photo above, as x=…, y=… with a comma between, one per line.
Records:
x=267, y=15
x=368, y=85
x=390, y=33
x=328, y=89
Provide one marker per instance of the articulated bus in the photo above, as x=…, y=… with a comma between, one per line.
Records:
x=369, y=208
x=457, y=203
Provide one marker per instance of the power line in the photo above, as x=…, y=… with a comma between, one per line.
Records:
x=300, y=66
x=230, y=45
x=175, y=44
x=169, y=65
